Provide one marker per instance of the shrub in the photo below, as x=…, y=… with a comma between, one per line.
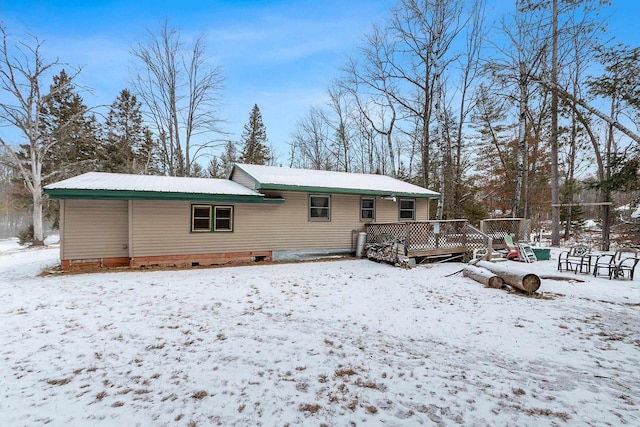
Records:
x=25, y=236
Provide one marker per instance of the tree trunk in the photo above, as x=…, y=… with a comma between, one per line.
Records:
x=527, y=282
x=425, y=150
x=484, y=276
x=441, y=144
x=392, y=158
x=521, y=151
x=555, y=182
x=38, y=227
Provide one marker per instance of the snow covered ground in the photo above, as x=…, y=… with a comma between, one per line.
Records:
x=327, y=343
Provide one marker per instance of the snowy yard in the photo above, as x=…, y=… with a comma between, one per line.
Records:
x=335, y=343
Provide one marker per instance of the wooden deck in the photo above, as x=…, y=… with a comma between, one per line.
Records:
x=456, y=250
x=431, y=238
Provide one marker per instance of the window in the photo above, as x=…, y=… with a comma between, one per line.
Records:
x=200, y=218
x=367, y=209
x=407, y=209
x=223, y=218
x=319, y=208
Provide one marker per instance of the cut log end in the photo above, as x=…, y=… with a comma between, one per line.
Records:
x=495, y=282
x=526, y=282
x=483, y=276
x=530, y=283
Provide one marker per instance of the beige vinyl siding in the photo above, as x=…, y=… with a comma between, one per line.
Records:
x=387, y=210
x=95, y=229
x=162, y=227
x=422, y=209
x=242, y=178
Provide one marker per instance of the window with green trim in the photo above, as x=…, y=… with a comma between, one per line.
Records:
x=319, y=208
x=223, y=218
x=407, y=209
x=200, y=218
x=367, y=208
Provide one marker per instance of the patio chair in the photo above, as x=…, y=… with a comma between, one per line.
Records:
x=518, y=251
x=512, y=249
x=576, y=258
x=619, y=265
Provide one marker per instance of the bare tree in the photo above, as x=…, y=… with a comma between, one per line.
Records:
x=470, y=67
x=364, y=143
x=371, y=85
x=339, y=121
x=310, y=141
x=181, y=91
x=23, y=71
x=520, y=61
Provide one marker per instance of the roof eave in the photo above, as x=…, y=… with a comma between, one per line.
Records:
x=64, y=193
x=335, y=190
x=253, y=178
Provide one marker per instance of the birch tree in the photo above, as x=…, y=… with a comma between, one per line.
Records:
x=25, y=140
x=470, y=68
x=522, y=57
x=425, y=33
x=619, y=85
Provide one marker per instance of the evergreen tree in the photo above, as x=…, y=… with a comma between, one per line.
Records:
x=254, y=138
x=147, y=156
x=73, y=135
x=125, y=148
x=197, y=171
x=228, y=158
x=73, y=131
x=214, y=169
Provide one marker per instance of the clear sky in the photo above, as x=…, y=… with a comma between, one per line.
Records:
x=278, y=54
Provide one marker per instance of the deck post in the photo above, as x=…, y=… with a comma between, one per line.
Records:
x=407, y=235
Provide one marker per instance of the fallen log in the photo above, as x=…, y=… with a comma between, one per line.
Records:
x=483, y=276
x=527, y=282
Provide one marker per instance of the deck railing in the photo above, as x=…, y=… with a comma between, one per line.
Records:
x=479, y=242
x=497, y=228
x=426, y=238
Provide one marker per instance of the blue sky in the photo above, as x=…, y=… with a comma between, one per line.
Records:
x=280, y=55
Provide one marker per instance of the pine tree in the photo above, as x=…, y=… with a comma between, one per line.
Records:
x=147, y=156
x=66, y=118
x=197, y=171
x=228, y=158
x=73, y=134
x=214, y=169
x=125, y=148
x=254, y=137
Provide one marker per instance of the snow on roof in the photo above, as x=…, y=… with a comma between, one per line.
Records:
x=268, y=176
x=165, y=184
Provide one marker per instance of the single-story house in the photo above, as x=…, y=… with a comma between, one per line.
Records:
x=259, y=213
